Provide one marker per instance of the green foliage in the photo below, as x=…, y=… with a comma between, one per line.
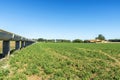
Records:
x=86, y=41
x=41, y=40
x=51, y=40
x=77, y=41
x=100, y=37
x=4, y=72
x=114, y=40
x=19, y=76
x=62, y=41
x=31, y=69
x=64, y=61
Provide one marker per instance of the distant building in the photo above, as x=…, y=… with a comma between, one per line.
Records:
x=97, y=41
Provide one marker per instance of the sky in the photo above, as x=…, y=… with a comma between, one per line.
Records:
x=61, y=19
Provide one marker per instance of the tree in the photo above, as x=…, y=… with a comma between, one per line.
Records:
x=77, y=41
x=63, y=40
x=41, y=40
x=100, y=37
x=114, y=40
x=51, y=40
x=86, y=41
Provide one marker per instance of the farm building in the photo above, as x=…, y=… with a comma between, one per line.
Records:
x=97, y=41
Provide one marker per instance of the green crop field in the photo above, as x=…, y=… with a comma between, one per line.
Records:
x=63, y=61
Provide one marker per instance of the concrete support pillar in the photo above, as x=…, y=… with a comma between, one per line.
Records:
x=6, y=47
x=29, y=42
x=22, y=44
x=26, y=43
x=17, y=45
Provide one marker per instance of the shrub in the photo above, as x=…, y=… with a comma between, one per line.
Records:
x=77, y=41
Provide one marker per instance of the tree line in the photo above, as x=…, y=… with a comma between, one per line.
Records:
x=60, y=40
x=99, y=37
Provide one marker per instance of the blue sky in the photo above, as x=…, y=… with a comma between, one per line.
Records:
x=66, y=19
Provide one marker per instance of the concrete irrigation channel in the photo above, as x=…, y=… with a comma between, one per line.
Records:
x=20, y=42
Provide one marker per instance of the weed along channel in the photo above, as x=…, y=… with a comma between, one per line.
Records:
x=8, y=37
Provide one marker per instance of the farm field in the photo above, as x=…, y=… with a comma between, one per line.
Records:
x=63, y=61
